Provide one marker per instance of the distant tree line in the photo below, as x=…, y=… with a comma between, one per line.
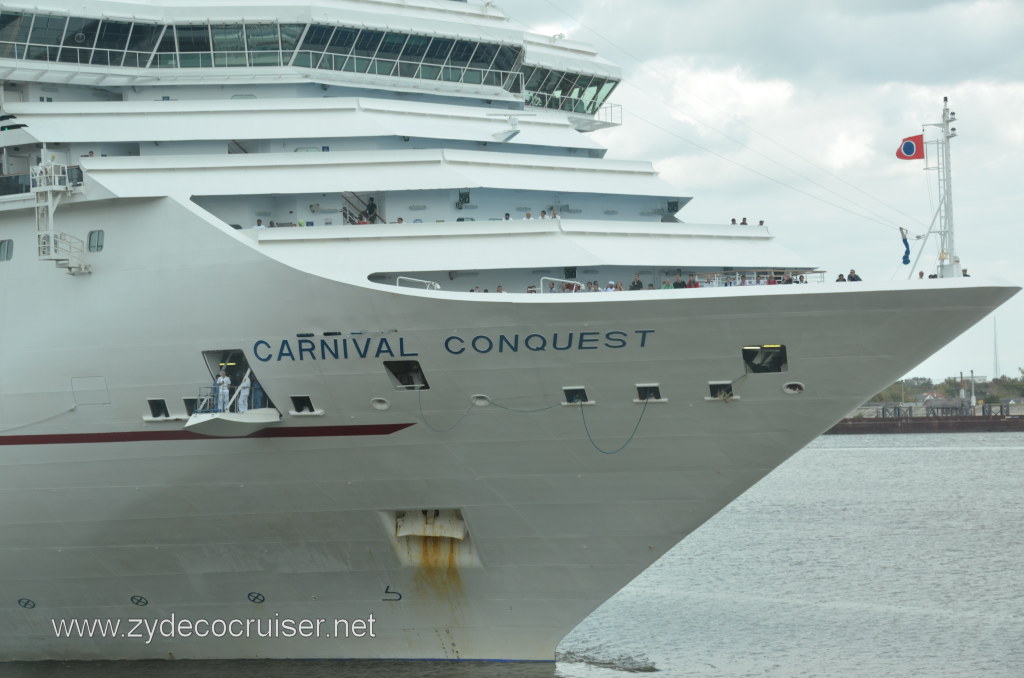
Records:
x=914, y=389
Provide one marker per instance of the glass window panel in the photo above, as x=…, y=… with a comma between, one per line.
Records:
x=383, y=66
x=391, y=46
x=41, y=52
x=493, y=78
x=290, y=34
x=195, y=59
x=606, y=89
x=407, y=69
x=227, y=38
x=14, y=26
x=472, y=76
x=48, y=29
x=506, y=58
x=343, y=40
x=193, y=38
x=415, y=48
x=462, y=53
x=513, y=82
x=81, y=32
x=591, y=89
x=550, y=82
x=104, y=57
x=262, y=37
x=483, y=56
x=357, y=64
x=317, y=38
x=367, y=43
x=582, y=82
x=144, y=37
x=304, y=60
x=565, y=84
x=135, y=59
x=438, y=51
x=451, y=74
x=229, y=59
x=429, y=72
x=74, y=55
x=534, y=77
x=265, y=58
x=113, y=35
x=167, y=42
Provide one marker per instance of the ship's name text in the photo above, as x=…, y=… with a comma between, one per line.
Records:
x=332, y=349
x=556, y=341
x=383, y=347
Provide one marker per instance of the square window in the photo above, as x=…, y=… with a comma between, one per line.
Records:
x=303, y=404
x=406, y=375
x=158, y=408
x=759, y=359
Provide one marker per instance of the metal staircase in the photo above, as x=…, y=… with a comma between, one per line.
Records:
x=49, y=184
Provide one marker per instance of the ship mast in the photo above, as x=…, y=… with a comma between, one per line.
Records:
x=949, y=262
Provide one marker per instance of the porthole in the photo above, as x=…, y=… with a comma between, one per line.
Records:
x=95, y=241
x=6, y=250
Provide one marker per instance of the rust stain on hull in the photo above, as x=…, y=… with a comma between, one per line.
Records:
x=438, y=567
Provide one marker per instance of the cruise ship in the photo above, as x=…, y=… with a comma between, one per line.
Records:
x=302, y=352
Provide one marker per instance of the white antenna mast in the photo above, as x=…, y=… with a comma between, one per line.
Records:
x=949, y=262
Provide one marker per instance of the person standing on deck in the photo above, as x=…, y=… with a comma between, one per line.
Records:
x=223, y=384
x=243, y=394
x=371, y=211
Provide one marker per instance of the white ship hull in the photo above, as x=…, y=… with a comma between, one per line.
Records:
x=99, y=506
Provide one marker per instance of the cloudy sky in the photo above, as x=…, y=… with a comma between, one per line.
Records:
x=791, y=111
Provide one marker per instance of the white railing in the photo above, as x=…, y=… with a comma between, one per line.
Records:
x=577, y=286
x=427, y=284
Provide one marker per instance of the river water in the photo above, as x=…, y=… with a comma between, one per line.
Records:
x=876, y=555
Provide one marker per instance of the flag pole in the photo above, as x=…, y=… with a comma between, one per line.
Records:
x=949, y=262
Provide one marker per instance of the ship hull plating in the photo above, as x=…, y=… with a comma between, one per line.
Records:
x=106, y=513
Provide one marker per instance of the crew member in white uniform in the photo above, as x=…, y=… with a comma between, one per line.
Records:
x=223, y=391
x=243, y=394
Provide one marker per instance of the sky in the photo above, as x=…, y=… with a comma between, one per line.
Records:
x=791, y=111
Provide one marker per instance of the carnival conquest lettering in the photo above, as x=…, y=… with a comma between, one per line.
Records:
x=556, y=341
x=331, y=349
x=382, y=347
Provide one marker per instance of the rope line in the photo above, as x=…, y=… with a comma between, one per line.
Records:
x=419, y=401
x=628, y=440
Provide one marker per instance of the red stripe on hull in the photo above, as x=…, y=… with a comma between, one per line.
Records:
x=145, y=436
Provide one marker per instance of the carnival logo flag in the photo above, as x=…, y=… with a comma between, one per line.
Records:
x=912, y=148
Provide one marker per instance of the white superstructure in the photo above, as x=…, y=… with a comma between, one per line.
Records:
x=476, y=472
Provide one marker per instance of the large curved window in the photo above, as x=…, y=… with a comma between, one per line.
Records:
x=576, y=92
x=212, y=44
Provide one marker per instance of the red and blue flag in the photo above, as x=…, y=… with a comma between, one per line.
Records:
x=912, y=148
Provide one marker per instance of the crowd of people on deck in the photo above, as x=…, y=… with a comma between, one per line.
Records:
x=692, y=281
